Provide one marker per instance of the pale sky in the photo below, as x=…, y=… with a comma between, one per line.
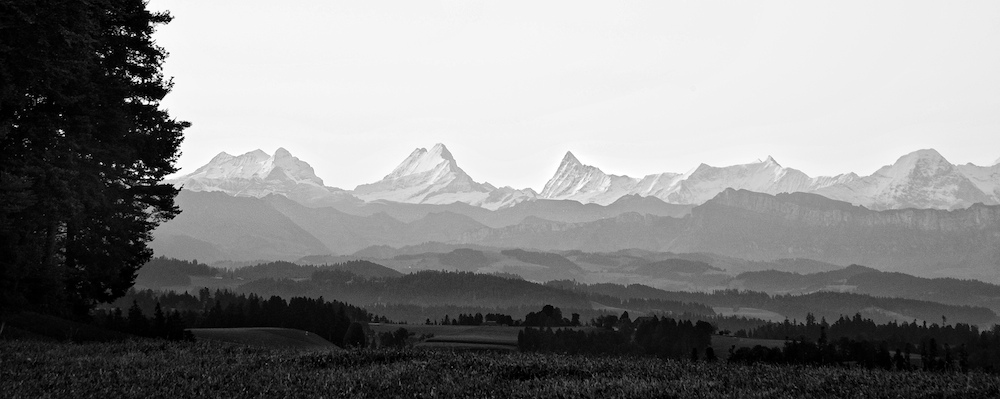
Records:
x=631, y=87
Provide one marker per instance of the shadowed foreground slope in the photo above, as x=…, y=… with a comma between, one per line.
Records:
x=148, y=369
x=268, y=337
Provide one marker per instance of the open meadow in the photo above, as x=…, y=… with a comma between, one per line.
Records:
x=155, y=369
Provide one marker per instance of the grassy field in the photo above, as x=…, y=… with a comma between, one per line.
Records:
x=265, y=336
x=463, y=337
x=155, y=369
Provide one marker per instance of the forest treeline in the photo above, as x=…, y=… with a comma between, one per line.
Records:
x=223, y=308
x=822, y=304
x=663, y=337
x=856, y=340
x=400, y=298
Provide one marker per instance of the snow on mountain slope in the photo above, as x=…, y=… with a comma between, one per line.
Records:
x=986, y=178
x=575, y=181
x=255, y=164
x=433, y=177
x=257, y=174
x=921, y=179
x=705, y=182
x=587, y=184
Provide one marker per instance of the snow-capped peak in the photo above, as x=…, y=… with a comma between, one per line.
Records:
x=434, y=177
x=257, y=174
x=255, y=164
x=997, y=162
x=585, y=183
x=920, y=179
x=421, y=160
x=222, y=157
x=294, y=168
x=570, y=159
x=927, y=162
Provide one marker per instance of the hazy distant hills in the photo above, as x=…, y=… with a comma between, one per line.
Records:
x=202, y=232
x=736, y=223
x=274, y=207
x=958, y=243
x=217, y=226
x=416, y=296
x=755, y=226
x=922, y=179
x=865, y=280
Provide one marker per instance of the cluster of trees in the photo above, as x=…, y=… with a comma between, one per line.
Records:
x=550, y=316
x=865, y=353
x=856, y=340
x=85, y=147
x=675, y=339
x=170, y=326
x=328, y=319
x=896, y=335
x=476, y=320
x=662, y=337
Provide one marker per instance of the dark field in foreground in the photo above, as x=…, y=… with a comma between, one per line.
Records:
x=272, y=337
x=211, y=369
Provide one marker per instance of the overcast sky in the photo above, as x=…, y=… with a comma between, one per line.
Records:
x=631, y=87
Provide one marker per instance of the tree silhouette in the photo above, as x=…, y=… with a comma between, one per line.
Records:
x=85, y=148
x=355, y=336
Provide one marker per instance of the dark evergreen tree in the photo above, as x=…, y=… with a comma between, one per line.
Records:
x=85, y=148
x=159, y=322
x=355, y=336
x=710, y=355
x=137, y=322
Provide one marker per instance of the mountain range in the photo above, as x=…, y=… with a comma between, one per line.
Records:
x=962, y=243
x=922, y=179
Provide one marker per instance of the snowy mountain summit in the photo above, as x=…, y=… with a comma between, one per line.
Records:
x=921, y=179
x=434, y=177
x=257, y=174
x=588, y=184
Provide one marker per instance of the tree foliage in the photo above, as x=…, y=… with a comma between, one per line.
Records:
x=85, y=147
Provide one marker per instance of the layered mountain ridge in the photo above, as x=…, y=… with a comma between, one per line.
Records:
x=921, y=179
x=963, y=243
